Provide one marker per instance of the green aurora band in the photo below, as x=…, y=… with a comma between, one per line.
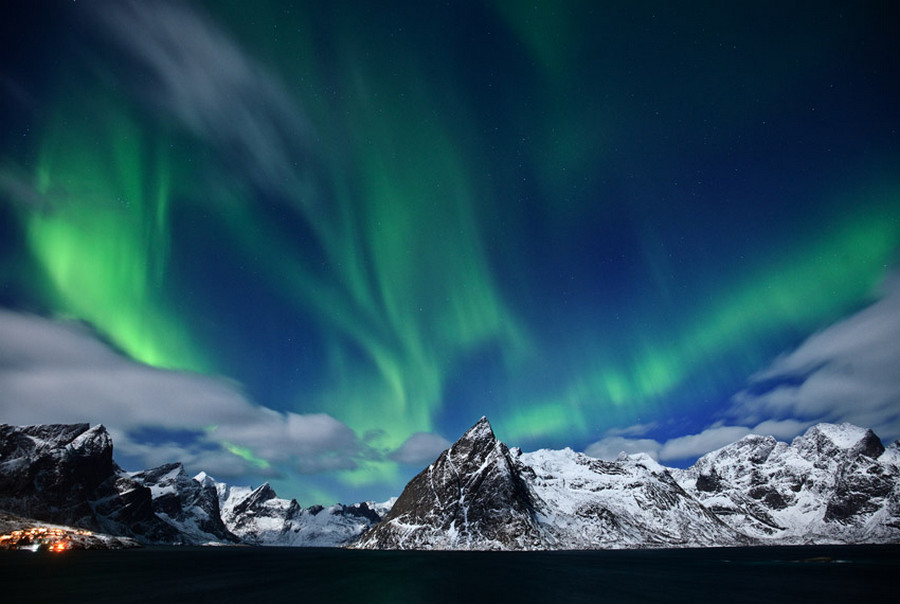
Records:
x=102, y=238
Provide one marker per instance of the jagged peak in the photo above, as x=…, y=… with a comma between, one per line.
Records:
x=62, y=434
x=162, y=470
x=95, y=440
x=205, y=479
x=844, y=436
x=263, y=492
x=480, y=431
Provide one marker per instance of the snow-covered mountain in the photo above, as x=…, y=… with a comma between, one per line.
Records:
x=833, y=484
x=187, y=504
x=65, y=474
x=472, y=497
x=633, y=502
x=479, y=494
x=259, y=517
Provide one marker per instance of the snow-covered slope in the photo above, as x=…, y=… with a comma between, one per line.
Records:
x=833, y=484
x=258, y=516
x=586, y=503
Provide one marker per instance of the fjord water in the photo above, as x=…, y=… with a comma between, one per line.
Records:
x=243, y=574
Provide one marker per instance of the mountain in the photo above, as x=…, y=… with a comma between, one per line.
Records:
x=191, y=506
x=65, y=474
x=479, y=494
x=472, y=497
x=633, y=502
x=833, y=484
x=259, y=517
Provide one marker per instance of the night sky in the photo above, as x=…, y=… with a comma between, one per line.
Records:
x=313, y=242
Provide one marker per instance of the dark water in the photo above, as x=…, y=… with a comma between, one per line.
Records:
x=257, y=575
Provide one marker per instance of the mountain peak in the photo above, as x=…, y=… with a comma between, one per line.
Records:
x=480, y=431
x=824, y=437
x=471, y=497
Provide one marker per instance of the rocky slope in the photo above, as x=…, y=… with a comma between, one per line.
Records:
x=472, y=497
x=192, y=507
x=833, y=484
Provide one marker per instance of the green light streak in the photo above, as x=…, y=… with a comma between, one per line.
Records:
x=827, y=277
x=103, y=243
x=407, y=283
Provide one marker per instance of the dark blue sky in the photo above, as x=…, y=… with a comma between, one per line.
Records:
x=311, y=243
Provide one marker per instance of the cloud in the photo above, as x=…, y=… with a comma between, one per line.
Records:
x=420, y=448
x=694, y=445
x=201, y=77
x=609, y=448
x=849, y=371
x=53, y=372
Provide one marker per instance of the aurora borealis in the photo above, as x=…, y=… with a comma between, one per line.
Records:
x=312, y=242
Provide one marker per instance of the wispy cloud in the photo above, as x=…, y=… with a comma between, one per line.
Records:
x=691, y=446
x=59, y=372
x=201, y=77
x=849, y=371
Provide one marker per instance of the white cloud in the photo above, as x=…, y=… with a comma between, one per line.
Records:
x=609, y=448
x=849, y=371
x=420, y=448
x=784, y=430
x=53, y=372
x=694, y=445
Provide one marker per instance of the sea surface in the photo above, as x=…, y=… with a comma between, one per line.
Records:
x=263, y=575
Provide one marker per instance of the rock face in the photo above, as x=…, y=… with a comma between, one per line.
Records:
x=190, y=506
x=54, y=471
x=259, y=517
x=65, y=474
x=473, y=496
x=833, y=484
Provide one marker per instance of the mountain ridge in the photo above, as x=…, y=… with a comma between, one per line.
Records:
x=836, y=483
